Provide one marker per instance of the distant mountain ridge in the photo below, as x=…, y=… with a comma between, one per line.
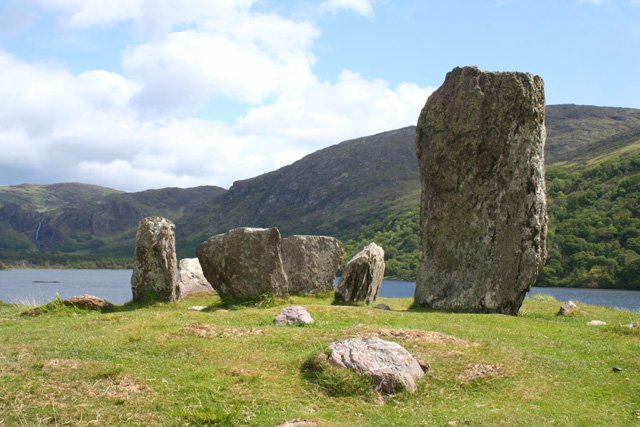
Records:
x=334, y=191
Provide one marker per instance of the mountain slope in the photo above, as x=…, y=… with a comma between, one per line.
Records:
x=332, y=191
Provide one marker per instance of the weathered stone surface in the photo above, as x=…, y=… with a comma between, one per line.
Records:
x=154, y=265
x=311, y=263
x=480, y=140
x=191, y=279
x=244, y=263
x=391, y=367
x=567, y=308
x=362, y=276
x=294, y=315
x=87, y=302
x=383, y=307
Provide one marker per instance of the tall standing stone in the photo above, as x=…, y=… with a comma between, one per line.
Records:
x=311, y=263
x=244, y=263
x=155, y=264
x=362, y=276
x=480, y=141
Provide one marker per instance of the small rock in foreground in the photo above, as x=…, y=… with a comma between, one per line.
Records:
x=596, y=323
x=383, y=307
x=630, y=325
x=87, y=302
x=567, y=308
x=198, y=307
x=298, y=423
x=388, y=364
x=294, y=315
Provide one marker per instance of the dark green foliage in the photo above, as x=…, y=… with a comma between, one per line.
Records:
x=594, y=219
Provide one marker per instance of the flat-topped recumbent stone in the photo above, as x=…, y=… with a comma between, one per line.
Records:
x=244, y=263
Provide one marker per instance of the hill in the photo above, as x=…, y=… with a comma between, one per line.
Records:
x=63, y=223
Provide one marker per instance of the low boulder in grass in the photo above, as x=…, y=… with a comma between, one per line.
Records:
x=568, y=308
x=294, y=315
x=391, y=368
x=88, y=302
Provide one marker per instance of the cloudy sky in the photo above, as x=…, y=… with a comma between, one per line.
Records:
x=138, y=94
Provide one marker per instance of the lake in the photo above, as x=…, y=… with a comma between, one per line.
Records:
x=39, y=286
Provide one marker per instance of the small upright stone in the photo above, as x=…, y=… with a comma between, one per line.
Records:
x=362, y=276
x=191, y=279
x=154, y=265
x=311, y=263
x=244, y=264
x=480, y=146
x=294, y=315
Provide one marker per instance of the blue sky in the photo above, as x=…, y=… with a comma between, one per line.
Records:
x=137, y=94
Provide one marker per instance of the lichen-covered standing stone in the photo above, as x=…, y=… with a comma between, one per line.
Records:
x=362, y=276
x=480, y=141
x=311, y=263
x=191, y=279
x=154, y=264
x=244, y=263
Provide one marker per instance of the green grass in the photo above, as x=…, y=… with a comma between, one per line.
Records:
x=150, y=366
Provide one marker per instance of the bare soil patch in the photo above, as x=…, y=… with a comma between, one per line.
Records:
x=208, y=331
x=479, y=371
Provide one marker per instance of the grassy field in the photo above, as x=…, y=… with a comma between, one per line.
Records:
x=166, y=365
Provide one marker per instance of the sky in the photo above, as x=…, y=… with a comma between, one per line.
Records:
x=140, y=94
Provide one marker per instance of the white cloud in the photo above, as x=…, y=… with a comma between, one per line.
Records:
x=134, y=130
x=362, y=7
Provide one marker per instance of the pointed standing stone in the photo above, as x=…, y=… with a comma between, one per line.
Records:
x=154, y=265
x=362, y=276
x=480, y=141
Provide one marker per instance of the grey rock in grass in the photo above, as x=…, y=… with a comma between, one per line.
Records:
x=362, y=276
x=294, y=315
x=191, y=279
x=567, y=308
x=383, y=307
x=298, y=423
x=88, y=302
x=311, y=263
x=480, y=146
x=596, y=323
x=244, y=264
x=391, y=367
x=154, y=264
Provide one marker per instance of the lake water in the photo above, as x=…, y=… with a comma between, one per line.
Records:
x=40, y=286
